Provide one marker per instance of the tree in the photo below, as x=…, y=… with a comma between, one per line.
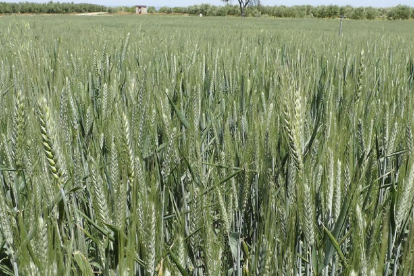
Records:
x=372, y=13
x=152, y=10
x=243, y=4
x=165, y=10
x=400, y=12
x=346, y=11
x=255, y=3
x=332, y=11
x=358, y=13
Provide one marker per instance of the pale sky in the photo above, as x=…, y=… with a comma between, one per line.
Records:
x=374, y=3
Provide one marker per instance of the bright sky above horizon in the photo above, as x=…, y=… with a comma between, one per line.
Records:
x=374, y=3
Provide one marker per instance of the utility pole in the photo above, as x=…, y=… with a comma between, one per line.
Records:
x=340, y=25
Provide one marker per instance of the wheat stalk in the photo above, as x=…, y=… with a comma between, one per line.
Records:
x=48, y=147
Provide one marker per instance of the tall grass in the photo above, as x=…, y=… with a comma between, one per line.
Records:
x=143, y=146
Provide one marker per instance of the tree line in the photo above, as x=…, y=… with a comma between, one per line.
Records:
x=303, y=11
x=50, y=7
x=329, y=11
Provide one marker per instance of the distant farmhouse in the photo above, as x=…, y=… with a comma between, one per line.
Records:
x=140, y=9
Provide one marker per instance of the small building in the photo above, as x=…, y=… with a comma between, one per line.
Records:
x=140, y=9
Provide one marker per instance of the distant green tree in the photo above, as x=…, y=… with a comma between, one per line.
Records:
x=346, y=11
x=279, y=11
x=15, y=8
x=50, y=7
x=399, y=12
x=196, y=10
x=321, y=12
x=209, y=10
x=151, y=10
x=372, y=13
x=301, y=11
x=130, y=9
x=309, y=9
x=242, y=4
x=291, y=12
x=231, y=10
x=255, y=3
x=358, y=13
x=332, y=11
x=221, y=11
x=165, y=10
x=253, y=12
x=180, y=10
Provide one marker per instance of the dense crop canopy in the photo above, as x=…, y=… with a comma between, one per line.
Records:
x=176, y=145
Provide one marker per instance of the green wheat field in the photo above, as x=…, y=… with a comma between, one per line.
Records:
x=163, y=145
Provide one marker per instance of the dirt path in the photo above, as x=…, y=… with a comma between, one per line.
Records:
x=92, y=14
